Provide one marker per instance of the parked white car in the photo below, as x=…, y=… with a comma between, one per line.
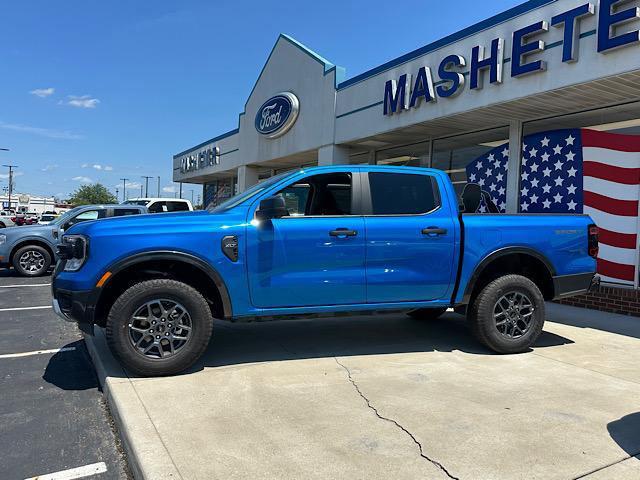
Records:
x=6, y=219
x=161, y=205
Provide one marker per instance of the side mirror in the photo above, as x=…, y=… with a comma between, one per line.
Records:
x=272, y=207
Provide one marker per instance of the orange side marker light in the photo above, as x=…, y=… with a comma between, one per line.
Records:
x=103, y=279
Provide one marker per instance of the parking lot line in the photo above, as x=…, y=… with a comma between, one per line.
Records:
x=33, y=285
x=37, y=352
x=15, y=309
x=73, y=473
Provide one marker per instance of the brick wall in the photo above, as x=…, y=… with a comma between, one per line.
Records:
x=608, y=299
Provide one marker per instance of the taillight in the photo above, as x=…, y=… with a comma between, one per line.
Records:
x=593, y=241
x=14, y=219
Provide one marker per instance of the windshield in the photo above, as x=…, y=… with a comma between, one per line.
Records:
x=247, y=194
x=136, y=202
x=62, y=219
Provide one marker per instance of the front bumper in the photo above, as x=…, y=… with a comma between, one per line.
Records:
x=577, y=284
x=75, y=306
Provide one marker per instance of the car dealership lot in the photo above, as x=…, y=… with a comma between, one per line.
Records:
x=52, y=415
x=389, y=396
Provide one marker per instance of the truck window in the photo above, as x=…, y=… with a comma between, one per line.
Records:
x=121, y=212
x=84, y=216
x=325, y=194
x=158, y=207
x=177, y=207
x=402, y=193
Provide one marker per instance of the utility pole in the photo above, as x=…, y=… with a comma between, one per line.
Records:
x=158, y=186
x=191, y=197
x=124, y=188
x=117, y=193
x=146, y=186
x=10, y=167
x=180, y=189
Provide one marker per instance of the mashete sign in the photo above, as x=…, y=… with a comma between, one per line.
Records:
x=406, y=93
x=207, y=157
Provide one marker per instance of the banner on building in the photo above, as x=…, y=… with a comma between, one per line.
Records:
x=576, y=171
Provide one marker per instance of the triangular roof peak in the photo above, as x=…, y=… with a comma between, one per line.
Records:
x=328, y=66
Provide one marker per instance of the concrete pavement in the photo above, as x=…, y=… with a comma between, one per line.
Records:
x=389, y=396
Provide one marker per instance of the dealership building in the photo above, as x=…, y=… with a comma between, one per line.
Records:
x=549, y=89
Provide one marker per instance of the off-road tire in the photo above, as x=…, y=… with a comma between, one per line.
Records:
x=481, y=319
x=427, y=313
x=117, y=327
x=38, y=250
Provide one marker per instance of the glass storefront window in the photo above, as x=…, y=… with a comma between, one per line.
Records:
x=413, y=155
x=455, y=155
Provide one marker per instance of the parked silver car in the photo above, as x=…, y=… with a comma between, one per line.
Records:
x=32, y=249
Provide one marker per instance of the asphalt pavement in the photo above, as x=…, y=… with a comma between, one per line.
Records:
x=53, y=417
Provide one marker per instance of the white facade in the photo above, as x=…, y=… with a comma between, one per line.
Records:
x=543, y=66
x=25, y=203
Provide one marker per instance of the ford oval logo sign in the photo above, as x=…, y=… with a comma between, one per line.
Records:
x=277, y=114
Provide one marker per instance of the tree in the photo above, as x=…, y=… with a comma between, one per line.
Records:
x=92, y=194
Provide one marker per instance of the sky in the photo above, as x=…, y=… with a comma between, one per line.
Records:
x=97, y=91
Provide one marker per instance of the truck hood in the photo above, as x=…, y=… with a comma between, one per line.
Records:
x=27, y=230
x=158, y=223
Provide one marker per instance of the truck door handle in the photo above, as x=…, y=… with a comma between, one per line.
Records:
x=343, y=232
x=434, y=231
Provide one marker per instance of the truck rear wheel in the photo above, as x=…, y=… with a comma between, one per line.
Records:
x=159, y=327
x=508, y=314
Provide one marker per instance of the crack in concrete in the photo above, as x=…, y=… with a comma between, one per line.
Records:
x=390, y=420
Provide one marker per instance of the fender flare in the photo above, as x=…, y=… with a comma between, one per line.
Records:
x=495, y=255
x=173, y=255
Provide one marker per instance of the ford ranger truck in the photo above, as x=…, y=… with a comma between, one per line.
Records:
x=318, y=242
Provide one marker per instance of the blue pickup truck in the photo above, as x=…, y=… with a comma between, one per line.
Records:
x=319, y=241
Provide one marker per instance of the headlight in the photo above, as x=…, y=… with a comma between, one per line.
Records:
x=3, y=238
x=73, y=249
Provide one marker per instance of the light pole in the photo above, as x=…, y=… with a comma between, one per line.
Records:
x=180, y=189
x=158, y=186
x=191, y=197
x=117, y=193
x=146, y=186
x=124, y=188
x=10, y=167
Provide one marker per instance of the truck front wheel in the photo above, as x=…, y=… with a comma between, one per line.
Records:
x=508, y=314
x=159, y=327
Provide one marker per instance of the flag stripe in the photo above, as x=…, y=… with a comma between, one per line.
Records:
x=616, y=239
x=622, y=192
x=611, y=157
x=615, y=223
x=616, y=254
x=627, y=176
x=613, y=141
x=611, y=205
x=616, y=270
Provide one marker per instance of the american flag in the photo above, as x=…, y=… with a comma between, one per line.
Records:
x=576, y=171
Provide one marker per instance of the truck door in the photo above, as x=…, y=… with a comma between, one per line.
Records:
x=315, y=255
x=410, y=234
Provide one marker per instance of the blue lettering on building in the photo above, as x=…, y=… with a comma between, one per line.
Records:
x=404, y=94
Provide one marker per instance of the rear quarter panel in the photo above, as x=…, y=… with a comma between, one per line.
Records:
x=561, y=239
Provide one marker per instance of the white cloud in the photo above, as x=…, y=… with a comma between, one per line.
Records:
x=43, y=92
x=129, y=185
x=49, y=168
x=84, y=165
x=108, y=168
x=82, y=179
x=81, y=101
x=43, y=132
x=15, y=174
x=170, y=189
x=97, y=166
